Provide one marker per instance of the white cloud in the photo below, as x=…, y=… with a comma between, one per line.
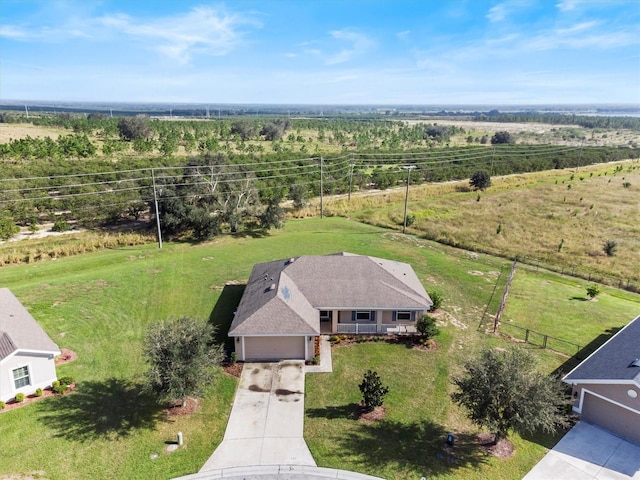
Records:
x=501, y=11
x=359, y=44
x=497, y=13
x=404, y=36
x=202, y=30
x=15, y=33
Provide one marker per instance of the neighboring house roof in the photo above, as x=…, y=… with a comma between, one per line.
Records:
x=284, y=296
x=19, y=331
x=616, y=361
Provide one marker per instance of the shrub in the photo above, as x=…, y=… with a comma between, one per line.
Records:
x=38, y=392
x=334, y=339
x=592, y=291
x=426, y=325
x=65, y=381
x=316, y=360
x=436, y=298
x=372, y=390
x=610, y=247
x=60, y=226
x=626, y=184
x=19, y=397
x=2, y=405
x=234, y=357
x=411, y=219
x=58, y=388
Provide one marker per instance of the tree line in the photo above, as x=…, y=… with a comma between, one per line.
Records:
x=587, y=121
x=205, y=194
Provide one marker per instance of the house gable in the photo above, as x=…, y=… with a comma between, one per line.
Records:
x=19, y=331
x=614, y=361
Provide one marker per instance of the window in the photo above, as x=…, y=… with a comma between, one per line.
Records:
x=403, y=315
x=363, y=316
x=325, y=315
x=21, y=377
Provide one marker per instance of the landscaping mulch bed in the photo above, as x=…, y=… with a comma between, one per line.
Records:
x=46, y=393
x=503, y=449
x=410, y=341
x=233, y=369
x=66, y=356
x=177, y=410
x=375, y=415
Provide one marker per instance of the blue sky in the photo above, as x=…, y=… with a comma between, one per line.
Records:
x=322, y=51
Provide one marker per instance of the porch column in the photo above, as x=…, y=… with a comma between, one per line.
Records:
x=379, y=314
x=335, y=314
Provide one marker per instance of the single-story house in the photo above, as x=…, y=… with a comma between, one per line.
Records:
x=27, y=354
x=606, y=385
x=288, y=303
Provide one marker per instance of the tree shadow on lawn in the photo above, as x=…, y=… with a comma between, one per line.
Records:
x=112, y=408
x=222, y=314
x=333, y=412
x=419, y=446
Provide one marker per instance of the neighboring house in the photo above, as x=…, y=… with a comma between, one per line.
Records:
x=288, y=303
x=27, y=354
x=606, y=386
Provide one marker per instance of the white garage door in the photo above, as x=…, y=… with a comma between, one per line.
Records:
x=274, y=348
x=617, y=420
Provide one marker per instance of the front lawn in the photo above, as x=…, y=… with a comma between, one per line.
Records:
x=410, y=441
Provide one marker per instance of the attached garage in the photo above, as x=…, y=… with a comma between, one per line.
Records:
x=270, y=348
x=606, y=385
x=619, y=420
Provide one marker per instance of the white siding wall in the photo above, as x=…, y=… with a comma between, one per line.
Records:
x=42, y=372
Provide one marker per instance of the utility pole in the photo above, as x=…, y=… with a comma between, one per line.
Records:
x=408, y=168
x=493, y=155
x=26, y=110
x=321, y=188
x=155, y=200
x=351, y=176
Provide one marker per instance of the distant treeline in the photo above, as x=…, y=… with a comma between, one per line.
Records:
x=629, y=123
x=206, y=193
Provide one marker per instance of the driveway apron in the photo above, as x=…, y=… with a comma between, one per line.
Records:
x=267, y=419
x=588, y=452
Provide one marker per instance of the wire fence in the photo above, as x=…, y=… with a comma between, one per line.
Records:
x=578, y=271
x=544, y=340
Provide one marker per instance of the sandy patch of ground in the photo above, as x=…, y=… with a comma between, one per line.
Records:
x=14, y=131
x=44, y=231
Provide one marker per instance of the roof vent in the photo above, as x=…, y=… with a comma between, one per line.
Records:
x=272, y=287
x=635, y=363
x=291, y=260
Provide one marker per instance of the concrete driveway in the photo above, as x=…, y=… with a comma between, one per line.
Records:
x=266, y=422
x=588, y=452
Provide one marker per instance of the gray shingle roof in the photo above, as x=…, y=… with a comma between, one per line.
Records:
x=612, y=361
x=284, y=296
x=19, y=330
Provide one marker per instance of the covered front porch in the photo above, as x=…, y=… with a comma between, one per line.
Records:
x=368, y=322
x=369, y=329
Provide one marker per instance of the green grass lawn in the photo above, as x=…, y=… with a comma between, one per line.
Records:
x=100, y=304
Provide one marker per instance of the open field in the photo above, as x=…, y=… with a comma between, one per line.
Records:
x=336, y=137
x=534, y=133
x=559, y=218
x=99, y=305
x=15, y=131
